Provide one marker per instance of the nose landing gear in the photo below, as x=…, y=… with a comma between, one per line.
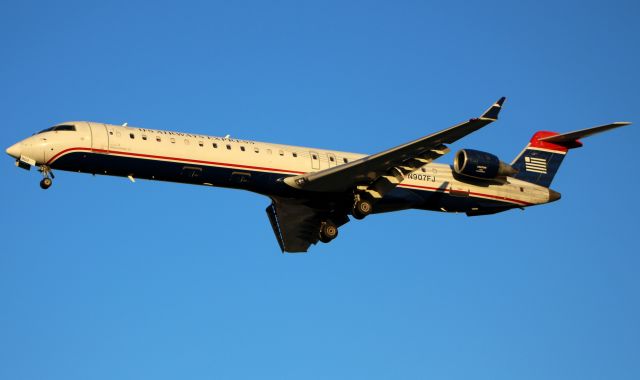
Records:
x=47, y=181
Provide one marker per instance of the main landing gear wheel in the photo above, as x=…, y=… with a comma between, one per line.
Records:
x=362, y=208
x=46, y=183
x=328, y=232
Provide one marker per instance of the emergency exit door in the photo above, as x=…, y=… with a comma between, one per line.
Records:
x=315, y=160
x=332, y=159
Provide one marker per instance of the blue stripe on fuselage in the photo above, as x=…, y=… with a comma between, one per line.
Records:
x=262, y=182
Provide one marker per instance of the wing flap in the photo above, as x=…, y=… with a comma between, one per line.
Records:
x=273, y=219
x=296, y=222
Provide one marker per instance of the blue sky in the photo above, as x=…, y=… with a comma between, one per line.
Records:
x=104, y=279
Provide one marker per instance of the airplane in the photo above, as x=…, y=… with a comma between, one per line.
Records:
x=314, y=191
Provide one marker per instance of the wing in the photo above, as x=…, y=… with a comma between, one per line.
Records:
x=296, y=222
x=381, y=172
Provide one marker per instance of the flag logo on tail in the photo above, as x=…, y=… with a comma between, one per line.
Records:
x=536, y=165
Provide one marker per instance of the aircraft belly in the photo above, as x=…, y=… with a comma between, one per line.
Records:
x=399, y=199
x=442, y=199
x=263, y=182
x=171, y=171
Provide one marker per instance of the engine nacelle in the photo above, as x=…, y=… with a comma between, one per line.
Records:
x=483, y=165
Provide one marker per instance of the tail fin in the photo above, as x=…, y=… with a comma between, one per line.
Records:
x=540, y=160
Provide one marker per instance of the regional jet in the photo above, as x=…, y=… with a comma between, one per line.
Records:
x=314, y=191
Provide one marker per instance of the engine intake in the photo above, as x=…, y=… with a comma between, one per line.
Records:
x=483, y=165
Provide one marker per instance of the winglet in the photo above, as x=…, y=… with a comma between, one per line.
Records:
x=494, y=110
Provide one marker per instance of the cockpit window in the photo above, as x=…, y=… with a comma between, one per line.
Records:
x=46, y=130
x=63, y=127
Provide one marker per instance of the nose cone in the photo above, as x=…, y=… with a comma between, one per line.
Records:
x=14, y=150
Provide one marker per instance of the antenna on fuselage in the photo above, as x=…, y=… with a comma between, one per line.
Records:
x=227, y=136
x=124, y=125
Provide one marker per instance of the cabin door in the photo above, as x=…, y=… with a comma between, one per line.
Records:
x=99, y=137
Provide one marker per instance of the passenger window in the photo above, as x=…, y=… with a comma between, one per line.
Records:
x=111, y=133
x=186, y=142
x=173, y=141
x=256, y=149
x=144, y=137
x=423, y=170
x=201, y=143
x=215, y=146
x=331, y=158
x=315, y=157
x=345, y=160
x=158, y=139
x=294, y=154
x=242, y=148
x=228, y=147
x=132, y=136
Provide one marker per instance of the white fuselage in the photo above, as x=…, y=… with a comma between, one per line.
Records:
x=200, y=159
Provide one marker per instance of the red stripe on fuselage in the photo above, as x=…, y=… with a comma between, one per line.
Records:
x=102, y=151
x=171, y=159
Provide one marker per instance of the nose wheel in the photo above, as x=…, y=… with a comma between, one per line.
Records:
x=47, y=181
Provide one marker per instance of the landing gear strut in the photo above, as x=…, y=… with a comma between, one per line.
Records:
x=47, y=181
x=361, y=208
x=328, y=231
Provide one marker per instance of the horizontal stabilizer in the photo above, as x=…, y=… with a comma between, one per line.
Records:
x=570, y=139
x=540, y=160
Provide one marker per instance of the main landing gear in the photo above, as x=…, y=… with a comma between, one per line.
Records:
x=361, y=208
x=328, y=231
x=47, y=181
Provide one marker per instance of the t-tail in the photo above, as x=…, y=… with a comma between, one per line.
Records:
x=540, y=160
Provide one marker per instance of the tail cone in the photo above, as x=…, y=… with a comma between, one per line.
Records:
x=554, y=195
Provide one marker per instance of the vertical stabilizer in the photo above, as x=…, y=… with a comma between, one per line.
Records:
x=540, y=160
